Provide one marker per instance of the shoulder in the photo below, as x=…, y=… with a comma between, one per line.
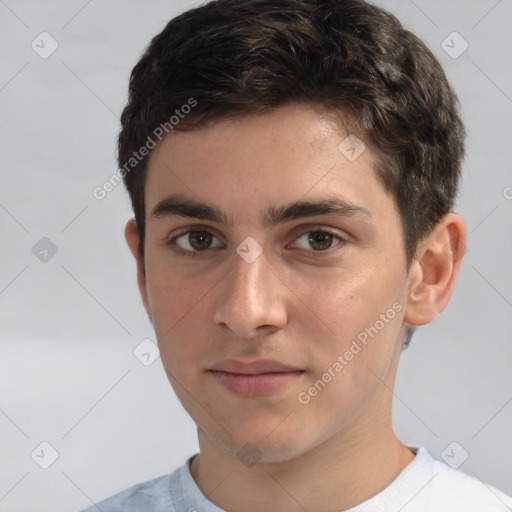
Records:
x=150, y=496
x=429, y=485
x=454, y=490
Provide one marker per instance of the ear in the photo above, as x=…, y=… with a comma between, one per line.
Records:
x=434, y=271
x=131, y=235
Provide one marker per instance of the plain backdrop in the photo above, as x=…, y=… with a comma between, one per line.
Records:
x=71, y=317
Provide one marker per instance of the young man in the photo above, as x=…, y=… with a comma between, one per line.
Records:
x=292, y=166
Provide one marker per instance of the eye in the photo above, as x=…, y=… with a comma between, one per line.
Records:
x=320, y=240
x=194, y=241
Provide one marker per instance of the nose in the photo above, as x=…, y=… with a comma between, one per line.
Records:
x=252, y=300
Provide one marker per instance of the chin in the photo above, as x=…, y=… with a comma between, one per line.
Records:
x=253, y=444
x=258, y=451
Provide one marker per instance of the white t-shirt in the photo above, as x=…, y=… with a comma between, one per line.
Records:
x=425, y=485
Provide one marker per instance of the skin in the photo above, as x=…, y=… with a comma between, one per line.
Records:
x=286, y=305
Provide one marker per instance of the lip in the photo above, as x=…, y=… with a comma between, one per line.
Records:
x=252, y=368
x=257, y=378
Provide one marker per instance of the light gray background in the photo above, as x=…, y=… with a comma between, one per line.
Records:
x=70, y=325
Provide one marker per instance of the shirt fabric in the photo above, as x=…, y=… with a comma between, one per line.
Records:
x=424, y=485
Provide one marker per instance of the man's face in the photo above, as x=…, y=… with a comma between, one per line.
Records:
x=302, y=302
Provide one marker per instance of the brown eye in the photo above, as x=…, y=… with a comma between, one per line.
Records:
x=195, y=241
x=199, y=240
x=319, y=240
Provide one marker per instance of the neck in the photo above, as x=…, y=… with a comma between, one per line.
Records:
x=339, y=474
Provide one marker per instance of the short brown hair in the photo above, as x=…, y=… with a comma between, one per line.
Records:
x=236, y=57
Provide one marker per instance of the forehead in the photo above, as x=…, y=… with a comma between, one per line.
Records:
x=259, y=161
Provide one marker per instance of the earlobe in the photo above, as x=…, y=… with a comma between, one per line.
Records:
x=434, y=272
x=131, y=235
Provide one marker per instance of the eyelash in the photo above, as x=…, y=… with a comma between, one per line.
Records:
x=194, y=254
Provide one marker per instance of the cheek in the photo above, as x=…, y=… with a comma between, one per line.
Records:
x=341, y=302
x=177, y=309
x=349, y=371
x=171, y=294
x=357, y=318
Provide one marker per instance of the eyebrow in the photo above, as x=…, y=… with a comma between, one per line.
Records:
x=177, y=205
